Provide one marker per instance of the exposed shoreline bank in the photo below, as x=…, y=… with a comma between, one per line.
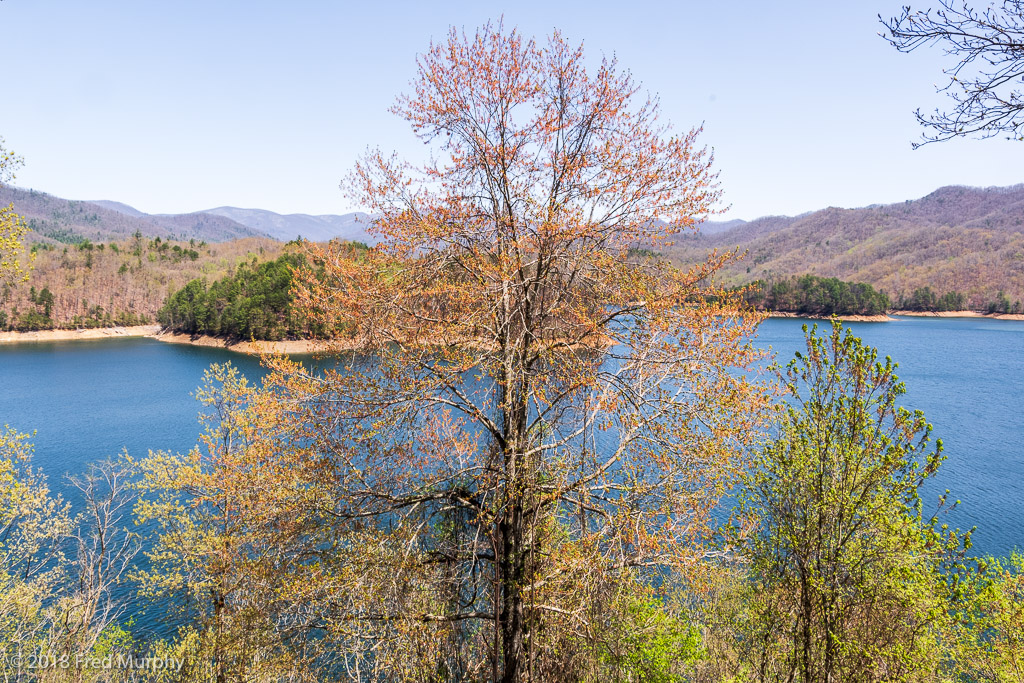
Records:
x=304, y=346
x=75, y=335
x=157, y=332
x=959, y=314
x=889, y=317
x=880, y=318
x=293, y=346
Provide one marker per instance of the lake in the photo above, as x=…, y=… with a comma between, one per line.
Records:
x=89, y=400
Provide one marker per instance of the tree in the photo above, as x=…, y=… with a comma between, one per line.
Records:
x=104, y=551
x=991, y=624
x=252, y=303
x=12, y=227
x=33, y=524
x=813, y=295
x=54, y=603
x=218, y=543
x=45, y=299
x=985, y=83
x=60, y=575
x=545, y=420
x=850, y=578
x=538, y=424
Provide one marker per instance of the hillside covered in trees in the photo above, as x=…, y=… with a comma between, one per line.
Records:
x=122, y=282
x=103, y=264
x=253, y=302
x=52, y=219
x=962, y=240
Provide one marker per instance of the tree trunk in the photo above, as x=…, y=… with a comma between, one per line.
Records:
x=512, y=604
x=806, y=616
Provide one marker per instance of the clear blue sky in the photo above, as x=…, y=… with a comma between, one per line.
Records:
x=181, y=106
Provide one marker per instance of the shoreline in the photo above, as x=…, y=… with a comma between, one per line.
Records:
x=81, y=334
x=888, y=317
x=312, y=346
x=880, y=318
x=293, y=346
x=288, y=347
x=959, y=314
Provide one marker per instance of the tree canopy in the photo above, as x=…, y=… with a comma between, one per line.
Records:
x=817, y=296
x=539, y=427
x=255, y=302
x=12, y=227
x=849, y=570
x=987, y=74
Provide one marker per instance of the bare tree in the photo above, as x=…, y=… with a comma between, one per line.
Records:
x=986, y=81
x=105, y=549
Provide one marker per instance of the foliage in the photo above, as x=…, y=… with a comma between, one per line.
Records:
x=505, y=262
x=1002, y=304
x=544, y=422
x=31, y=559
x=817, y=296
x=851, y=581
x=956, y=239
x=646, y=640
x=524, y=461
x=923, y=299
x=59, y=573
x=991, y=635
x=253, y=303
x=63, y=235
x=12, y=226
x=214, y=535
x=984, y=83
x=118, y=283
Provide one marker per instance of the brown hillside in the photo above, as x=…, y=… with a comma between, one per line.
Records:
x=53, y=219
x=122, y=282
x=964, y=239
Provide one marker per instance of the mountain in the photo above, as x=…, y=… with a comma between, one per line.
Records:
x=963, y=239
x=715, y=227
x=63, y=220
x=119, y=207
x=99, y=284
x=350, y=226
x=66, y=220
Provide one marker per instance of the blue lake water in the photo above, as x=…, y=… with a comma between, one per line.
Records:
x=89, y=400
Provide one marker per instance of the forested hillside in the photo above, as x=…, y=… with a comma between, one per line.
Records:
x=62, y=220
x=254, y=302
x=124, y=282
x=956, y=239
x=52, y=219
x=101, y=264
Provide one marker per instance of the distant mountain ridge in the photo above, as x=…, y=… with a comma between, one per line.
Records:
x=119, y=207
x=62, y=220
x=957, y=238
x=963, y=239
x=350, y=226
